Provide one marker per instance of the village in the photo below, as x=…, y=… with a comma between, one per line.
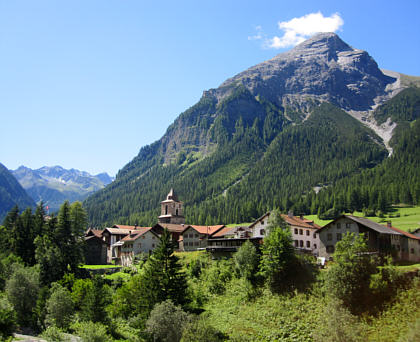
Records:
x=120, y=244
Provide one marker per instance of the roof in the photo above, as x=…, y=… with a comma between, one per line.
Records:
x=223, y=232
x=118, y=231
x=300, y=222
x=94, y=232
x=135, y=234
x=259, y=219
x=121, y=226
x=171, y=197
x=292, y=220
x=367, y=223
x=94, y=238
x=409, y=235
x=172, y=227
x=208, y=230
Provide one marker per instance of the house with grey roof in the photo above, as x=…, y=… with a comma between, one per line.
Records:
x=382, y=239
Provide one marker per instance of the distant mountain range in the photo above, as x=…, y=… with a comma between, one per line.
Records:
x=11, y=193
x=312, y=118
x=53, y=185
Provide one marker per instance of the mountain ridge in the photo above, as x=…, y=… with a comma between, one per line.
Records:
x=220, y=142
x=54, y=184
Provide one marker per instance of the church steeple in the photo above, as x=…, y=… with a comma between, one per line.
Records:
x=172, y=210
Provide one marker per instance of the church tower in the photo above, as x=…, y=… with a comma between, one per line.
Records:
x=172, y=210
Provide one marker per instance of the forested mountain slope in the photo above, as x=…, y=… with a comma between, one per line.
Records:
x=11, y=193
x=266, y=137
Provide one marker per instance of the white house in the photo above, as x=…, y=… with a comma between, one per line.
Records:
x=304, y=232
x=141, y=240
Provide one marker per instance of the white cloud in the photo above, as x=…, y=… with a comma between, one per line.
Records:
x=258, y=35
x=299, y=29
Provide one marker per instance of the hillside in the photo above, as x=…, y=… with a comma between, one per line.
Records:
x=11, y=193
x=267, y=137
x=53, y=185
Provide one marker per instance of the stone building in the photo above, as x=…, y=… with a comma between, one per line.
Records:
x=172, y=210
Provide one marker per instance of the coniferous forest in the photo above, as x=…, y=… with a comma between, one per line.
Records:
x=326, y=164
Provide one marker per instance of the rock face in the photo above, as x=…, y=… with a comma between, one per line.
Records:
x=323, y=68
x=53, y=185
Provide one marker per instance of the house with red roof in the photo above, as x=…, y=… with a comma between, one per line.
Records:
x=196, y=237
x=142, y=240
x=304, y=232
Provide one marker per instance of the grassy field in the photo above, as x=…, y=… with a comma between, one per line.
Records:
x=408, y=220
x=98, y=267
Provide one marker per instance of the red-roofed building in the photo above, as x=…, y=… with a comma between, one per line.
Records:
x=195, y=237
x=304, y=231
x=406, y=245
x=140, y=240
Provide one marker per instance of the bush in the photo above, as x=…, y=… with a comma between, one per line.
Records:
x=7, y=319
x=60, y=307
x=91, y=332
x=22, y=292
x=218, y=275
x=339, y=325
x=246, y=260
x=54, y=334
x=166, y=322
x=198, y=330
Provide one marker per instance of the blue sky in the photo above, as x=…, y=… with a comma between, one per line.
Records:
x=85, y=84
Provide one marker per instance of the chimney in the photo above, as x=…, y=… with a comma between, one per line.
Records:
x=290, y=213
x=389, y=224
x=301, y=217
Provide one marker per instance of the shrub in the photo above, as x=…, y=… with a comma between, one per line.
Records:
x=339, y=325
x=60, y=307
x=22, y=291
x=7, y=319
x=199, y=330
x=166, y=322
x=91, y=332
x=54, y=334
x=246, y=260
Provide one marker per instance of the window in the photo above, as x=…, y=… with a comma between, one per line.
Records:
x=348, y=225
x=330, y=249
x=308, y=233
x=296, y=231
x=301, y=231
x=196, y=236
x=412, y=250
x=329, y=236
x=308, y=244
x=153, y=245
x=301, y=243
x=314, y=235
x=196, y=243
x=338, y=225
x=315, y=245
x=262, y=231
x=166, y=210
x=398, y=247
x=176, y=212
x=153, y=237
x=338, y=236
x=262, y=223
x=296, y=243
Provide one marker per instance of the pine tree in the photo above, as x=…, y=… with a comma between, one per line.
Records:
x=162, y=278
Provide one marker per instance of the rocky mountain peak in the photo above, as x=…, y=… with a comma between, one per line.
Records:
x=322, y=68
x=321, y=43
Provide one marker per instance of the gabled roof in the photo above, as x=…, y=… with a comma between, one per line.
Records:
x=259, y=219
x=122, y=226
x=223, y=232
x=300, y=222
x=135, y=234
x=407, y=234
x=291, y=220
x=173, y=228
x=367, y=223
x=117, y=231
x=208, y=230
x=94, y=232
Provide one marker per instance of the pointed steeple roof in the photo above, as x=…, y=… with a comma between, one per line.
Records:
x=172, y=196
